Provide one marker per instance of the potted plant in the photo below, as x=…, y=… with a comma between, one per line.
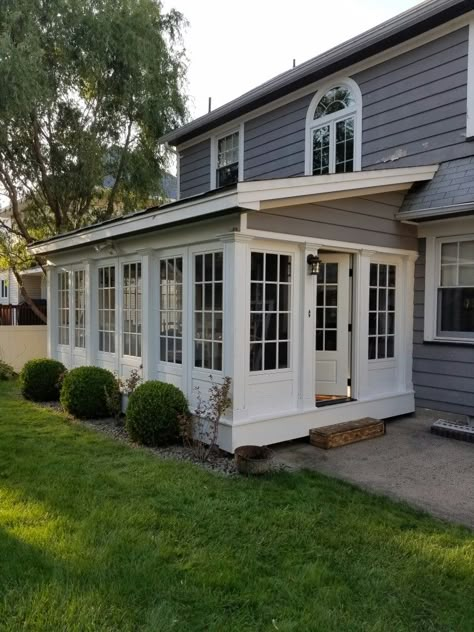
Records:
x=253, y=459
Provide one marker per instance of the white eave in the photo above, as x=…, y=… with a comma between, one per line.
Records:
x=247, y=196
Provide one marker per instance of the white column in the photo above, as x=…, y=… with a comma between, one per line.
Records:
x=306, y=296
x=52, y=306
x=236, y=318
x=360, y=327
x=408, y=320
x=92, y=319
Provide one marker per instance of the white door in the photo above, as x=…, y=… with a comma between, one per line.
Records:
x=332, y=326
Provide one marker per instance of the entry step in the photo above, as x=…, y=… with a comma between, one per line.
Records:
x=453, y=430
x=338, y=435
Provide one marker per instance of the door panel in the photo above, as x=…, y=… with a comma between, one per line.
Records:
x=332, y=325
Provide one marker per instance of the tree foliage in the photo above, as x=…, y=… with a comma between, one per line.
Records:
x=87, y=90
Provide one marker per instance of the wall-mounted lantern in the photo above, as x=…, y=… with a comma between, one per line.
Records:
x=314, y=263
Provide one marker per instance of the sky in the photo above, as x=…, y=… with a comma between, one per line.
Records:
x=233, y=47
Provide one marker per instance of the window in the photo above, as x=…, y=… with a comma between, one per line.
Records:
x=208, y=310
x=3, y=288
x=270, y=289
x=63, y=308
x=107, y=309
x=227, y=171
x=455, y=292
x=79, y=308
x=326, y=311
x=171, y=310
x=332, y=139
x=132, y=309
x=382, y=311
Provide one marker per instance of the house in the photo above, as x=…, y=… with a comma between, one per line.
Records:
x=10, y=294
x=320, y=251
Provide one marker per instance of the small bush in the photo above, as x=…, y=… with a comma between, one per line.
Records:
x=6, y=372
x=153, y=411
x=40, y=379
x=86, y=391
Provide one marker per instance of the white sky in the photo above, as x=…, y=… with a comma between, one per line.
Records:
x=234, y=46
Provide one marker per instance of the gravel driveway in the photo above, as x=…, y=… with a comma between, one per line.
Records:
x=409, y=463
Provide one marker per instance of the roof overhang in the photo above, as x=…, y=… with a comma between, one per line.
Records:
x=403, y=27
x=438, y=212
x=246, y=196
x=268, y=194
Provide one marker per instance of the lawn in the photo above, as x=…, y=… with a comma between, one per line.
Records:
x=95, y=535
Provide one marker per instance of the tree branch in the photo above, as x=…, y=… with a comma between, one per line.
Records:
x=118, y=175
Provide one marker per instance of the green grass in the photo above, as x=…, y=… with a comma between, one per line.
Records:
x=95, y=535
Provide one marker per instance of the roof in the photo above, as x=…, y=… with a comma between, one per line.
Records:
x=255, y=195
x=401, y=28
x=450, y=192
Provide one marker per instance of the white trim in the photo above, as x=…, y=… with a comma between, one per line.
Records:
x=432, y=283
x=178, y=175
x=312, y=124
x=215, y=138
x=470, y=82
x=386, y=55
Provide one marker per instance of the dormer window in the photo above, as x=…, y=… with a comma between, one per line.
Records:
x=333, y=130
x=227, y=171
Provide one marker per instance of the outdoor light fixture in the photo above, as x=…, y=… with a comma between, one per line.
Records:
x=314, y=263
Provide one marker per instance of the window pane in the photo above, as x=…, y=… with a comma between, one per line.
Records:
x=449, y=253
x=456, y=310
x=256, y=355
x=256, y=266
x=270, y=356
x=283, y=355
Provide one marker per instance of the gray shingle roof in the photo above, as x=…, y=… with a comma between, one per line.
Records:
x=452, y=186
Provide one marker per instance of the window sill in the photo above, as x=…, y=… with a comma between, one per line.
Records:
x=447, y=341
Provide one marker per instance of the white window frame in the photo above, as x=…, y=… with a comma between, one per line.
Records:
x=331, y=119
x=392, y=358
x=4, y=289
x=61, y=291
x=214, y=151
x=75, y=310
x=202, y=369
x=432, y=283
x=134, y=358
x=165, y=258
x=290, y=312
x=116, y=288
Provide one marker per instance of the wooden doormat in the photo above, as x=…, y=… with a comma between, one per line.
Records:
x=338, y=435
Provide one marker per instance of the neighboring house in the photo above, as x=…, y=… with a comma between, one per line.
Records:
x=321, y=251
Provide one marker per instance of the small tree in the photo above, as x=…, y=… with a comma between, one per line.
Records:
x=200, y=429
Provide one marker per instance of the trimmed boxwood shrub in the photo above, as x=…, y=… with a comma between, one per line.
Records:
x=152, y=413
x=86, y=391
x=40, y=380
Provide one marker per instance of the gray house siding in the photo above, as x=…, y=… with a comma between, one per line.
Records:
x=414, y=106
x=195, y=169
x=369, y=220
x=443, y=374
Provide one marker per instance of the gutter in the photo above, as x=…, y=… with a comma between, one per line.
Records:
x=437, y=212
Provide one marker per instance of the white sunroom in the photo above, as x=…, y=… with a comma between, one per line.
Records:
x=300, y=290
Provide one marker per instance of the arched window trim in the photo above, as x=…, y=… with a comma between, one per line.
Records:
x=311, y=123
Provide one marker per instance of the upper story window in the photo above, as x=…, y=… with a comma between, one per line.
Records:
x=227, y=170
x=333, y=130
x=3, y=288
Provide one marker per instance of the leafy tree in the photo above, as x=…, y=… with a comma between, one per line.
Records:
x=87, y=89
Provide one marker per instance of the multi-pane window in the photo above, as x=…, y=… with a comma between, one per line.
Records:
x=382, y=311
x=270, y=311
x=132, y=309
x=107, y=309
x=171, y=310
x=227, y=160
x=79, y=288
x=208, y=310
x=327, y=308
x=63, y=308
x=3, y=288
x=332, y=133
x=456, y=290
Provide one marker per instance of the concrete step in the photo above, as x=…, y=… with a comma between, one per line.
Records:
x=341, y=434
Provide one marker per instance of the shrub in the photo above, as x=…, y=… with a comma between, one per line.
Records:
x=86, y=391
x=40, y=379
x=6, y=372
x=153, y=411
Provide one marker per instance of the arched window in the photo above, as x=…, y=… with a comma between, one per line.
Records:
x=333, y=130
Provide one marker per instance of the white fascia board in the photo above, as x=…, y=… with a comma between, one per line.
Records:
x=148, y=221
x=265, y=192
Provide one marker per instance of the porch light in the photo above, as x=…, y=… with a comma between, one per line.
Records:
x=314, y=263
